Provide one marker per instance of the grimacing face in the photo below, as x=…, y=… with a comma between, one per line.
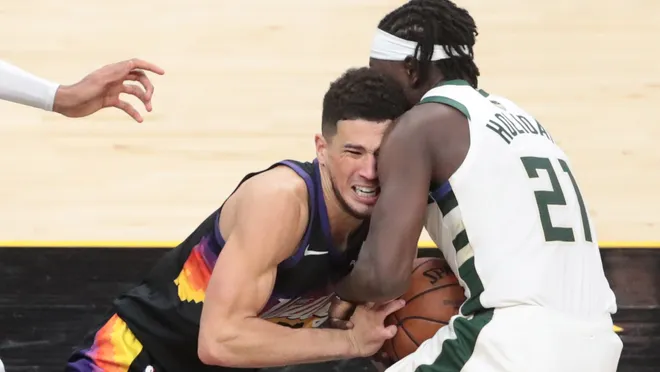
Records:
x=349, y=158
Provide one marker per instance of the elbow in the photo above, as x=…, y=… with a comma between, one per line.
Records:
x=382, y=288
x=214, y=348
x=391, y=288
x=207, y=351
x=368, y=284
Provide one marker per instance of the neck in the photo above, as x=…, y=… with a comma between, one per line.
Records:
x=434, y=81
x=341, y=222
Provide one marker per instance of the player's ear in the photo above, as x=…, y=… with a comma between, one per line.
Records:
x=321, y=148
x=411, y=68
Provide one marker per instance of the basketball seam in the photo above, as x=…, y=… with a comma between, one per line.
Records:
x=430, y=290
x=405, y=330
x=396, y=355
x=420, y=265
x=423, y=318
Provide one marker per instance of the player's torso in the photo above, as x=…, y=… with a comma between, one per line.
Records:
x=164, y=311
x=512, y=221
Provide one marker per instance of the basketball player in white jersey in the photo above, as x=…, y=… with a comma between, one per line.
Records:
x=505, y=210
x=99, y=89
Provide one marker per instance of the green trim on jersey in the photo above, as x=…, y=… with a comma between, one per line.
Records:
x=453, y=82
x=447, y=101
x=467, y=271
x=456, y=352
x=483, y=93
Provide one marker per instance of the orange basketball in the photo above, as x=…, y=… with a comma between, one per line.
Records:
x=433, y=298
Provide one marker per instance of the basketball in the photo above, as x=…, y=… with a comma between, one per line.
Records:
x=434, y=296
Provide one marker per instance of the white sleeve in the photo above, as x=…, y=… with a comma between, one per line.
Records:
x=19, y=86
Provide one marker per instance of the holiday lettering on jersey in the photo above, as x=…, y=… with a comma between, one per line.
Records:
x=300, y=312
x=509, y=126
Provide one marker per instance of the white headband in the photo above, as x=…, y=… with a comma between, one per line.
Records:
x=388, y=47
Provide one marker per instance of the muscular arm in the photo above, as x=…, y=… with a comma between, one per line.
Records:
x=405, y=169
x=270, y=219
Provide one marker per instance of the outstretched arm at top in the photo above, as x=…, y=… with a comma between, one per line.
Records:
x=382, y=271
x=24, y=88
x=98, y=90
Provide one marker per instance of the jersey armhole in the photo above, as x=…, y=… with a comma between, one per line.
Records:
x=295, y=257
x=447, y=101
x=311, y=198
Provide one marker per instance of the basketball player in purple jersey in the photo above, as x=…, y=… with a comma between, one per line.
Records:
x=251, y=286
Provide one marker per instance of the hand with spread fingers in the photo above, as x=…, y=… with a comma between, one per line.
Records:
x=369, y=331
x=101, y=89
x=339, y=316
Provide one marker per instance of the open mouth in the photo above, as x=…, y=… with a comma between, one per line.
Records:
x=365, y=192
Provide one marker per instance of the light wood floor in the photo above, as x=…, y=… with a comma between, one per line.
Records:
x=244, y=85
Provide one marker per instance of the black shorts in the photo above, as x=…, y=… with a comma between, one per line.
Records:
x=115, y=348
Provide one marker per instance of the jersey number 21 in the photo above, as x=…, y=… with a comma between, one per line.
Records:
x=555, y=197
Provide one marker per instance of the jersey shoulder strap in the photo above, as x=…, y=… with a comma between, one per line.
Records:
x=458, y=94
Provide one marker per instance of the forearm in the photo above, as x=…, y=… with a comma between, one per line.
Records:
x=365, y=286
x=257, y=343
x=22, y=87
x=372, y=280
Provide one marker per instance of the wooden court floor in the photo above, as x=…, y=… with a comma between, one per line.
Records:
x=243, y=88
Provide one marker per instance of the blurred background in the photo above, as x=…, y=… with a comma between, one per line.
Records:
x=243, y=88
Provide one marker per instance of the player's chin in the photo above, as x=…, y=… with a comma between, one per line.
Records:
x=362, y=208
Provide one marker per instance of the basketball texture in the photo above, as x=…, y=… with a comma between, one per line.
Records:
x=433, y=298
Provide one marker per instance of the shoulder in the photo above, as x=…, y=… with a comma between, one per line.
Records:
x=433, y=114
x=278, y=190
x=425, y=121
x=280, y=180
x=270, y=206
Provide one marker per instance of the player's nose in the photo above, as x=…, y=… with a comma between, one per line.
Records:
x=368, y=168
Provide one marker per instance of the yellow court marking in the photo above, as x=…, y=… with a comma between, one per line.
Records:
x=171, y=244
x=604, y=245
x=87, y=244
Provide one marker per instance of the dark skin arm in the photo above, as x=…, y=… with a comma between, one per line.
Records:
x=428, y=143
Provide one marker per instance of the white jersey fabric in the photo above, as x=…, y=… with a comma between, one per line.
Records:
x=24, y=88
x=514, y=227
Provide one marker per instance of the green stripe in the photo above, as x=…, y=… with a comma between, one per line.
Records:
x=456, y=352
x=447, y=101
x=468, y=272
x=447, y=203
x=461, y=240
x=453, y=82
x=483, y=92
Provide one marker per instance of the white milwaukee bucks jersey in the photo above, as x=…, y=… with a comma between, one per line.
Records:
x=511, y=221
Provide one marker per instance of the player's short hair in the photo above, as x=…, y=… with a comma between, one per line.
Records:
x=437, y=22
x=361, y=93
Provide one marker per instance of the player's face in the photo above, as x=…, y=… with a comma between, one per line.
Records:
x=403, y=73
x=350, y=161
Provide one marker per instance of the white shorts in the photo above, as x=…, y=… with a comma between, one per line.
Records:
x=518, y=339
